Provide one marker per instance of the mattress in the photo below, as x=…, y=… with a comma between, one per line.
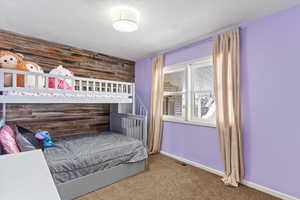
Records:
x=63, y=94
x=80, y=155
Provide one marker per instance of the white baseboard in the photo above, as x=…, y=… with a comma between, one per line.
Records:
x=195, y=164
x=261, y=188
x=269, y=191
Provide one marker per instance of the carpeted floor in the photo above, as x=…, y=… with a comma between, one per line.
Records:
x=167, y=179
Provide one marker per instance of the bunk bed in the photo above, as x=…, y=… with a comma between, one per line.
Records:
x=83, y=163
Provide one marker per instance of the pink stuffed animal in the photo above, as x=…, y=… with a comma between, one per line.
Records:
x=60, y=70
x=8, y=140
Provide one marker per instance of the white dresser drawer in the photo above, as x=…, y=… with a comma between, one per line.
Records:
x=26, y=176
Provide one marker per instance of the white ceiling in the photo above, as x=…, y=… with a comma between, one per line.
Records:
x=164, y=24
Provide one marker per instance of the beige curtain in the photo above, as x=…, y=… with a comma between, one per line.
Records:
x=226, y=58
x=156, y=113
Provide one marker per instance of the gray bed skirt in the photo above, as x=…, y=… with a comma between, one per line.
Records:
x=83, y=185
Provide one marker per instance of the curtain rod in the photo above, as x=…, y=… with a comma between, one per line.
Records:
x=208, y=36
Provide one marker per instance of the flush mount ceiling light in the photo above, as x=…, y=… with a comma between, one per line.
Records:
x=125, y=19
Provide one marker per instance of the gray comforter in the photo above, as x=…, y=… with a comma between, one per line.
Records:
x=81, y=155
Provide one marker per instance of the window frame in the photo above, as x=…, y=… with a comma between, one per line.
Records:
x=187, y=90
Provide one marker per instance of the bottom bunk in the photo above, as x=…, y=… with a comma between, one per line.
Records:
x=83, y=163
x=89, y=183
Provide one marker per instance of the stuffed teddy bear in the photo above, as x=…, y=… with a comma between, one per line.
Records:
x=60, y=70
x=14, y=61
x=33, y=67
x=45, y=137
x=10, y=60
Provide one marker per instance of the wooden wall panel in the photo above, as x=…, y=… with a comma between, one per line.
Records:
x=64, y=119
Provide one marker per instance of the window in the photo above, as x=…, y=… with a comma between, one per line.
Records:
x=188, y=93
x=174, y=93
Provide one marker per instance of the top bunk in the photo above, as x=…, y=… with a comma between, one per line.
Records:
x=33, y=87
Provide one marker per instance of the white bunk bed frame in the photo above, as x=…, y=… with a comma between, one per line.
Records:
x=85, y=90
x=93, y=90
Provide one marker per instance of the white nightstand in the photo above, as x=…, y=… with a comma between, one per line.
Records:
x=26, y=176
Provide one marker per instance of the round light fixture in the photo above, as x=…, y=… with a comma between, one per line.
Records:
x=125, y=19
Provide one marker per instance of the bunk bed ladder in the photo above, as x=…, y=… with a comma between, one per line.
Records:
x=141, y=110
x=133, y=124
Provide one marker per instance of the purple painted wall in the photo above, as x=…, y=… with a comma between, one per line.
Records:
x=270, y=65
x=270, y=71
x=143, y=80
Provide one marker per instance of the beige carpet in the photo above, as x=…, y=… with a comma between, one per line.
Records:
x=167, y=179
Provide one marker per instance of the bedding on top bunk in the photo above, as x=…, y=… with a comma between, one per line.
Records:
x=84, y=154
x=57, y=94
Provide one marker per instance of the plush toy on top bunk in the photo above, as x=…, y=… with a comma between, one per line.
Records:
x=33, y=67
x=60, y=70
x=14, y=61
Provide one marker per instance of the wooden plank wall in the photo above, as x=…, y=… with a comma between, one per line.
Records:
x=64, y=119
